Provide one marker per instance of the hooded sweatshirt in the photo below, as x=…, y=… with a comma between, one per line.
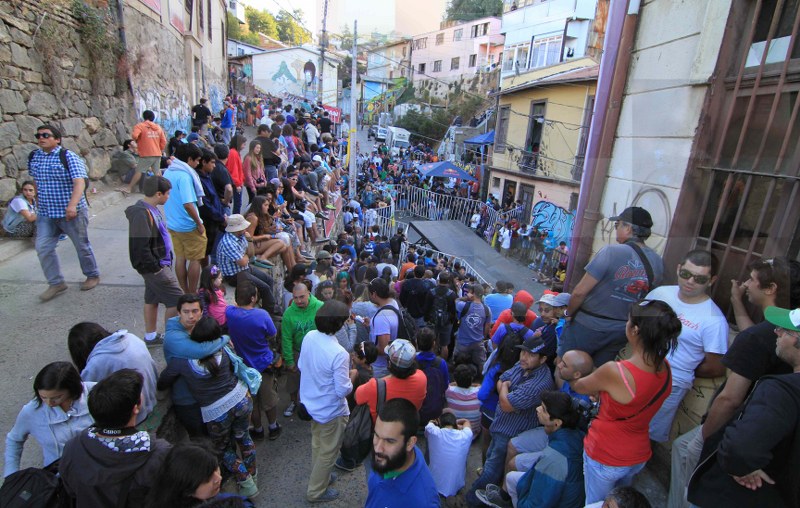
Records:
x=123, y=350
x=505, y=317
x=146, y=245
x=296, y=324
x=150, y=138
x=93, y=473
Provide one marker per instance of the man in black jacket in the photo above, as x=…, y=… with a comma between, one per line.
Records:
x=111, y=463
x=412, y=295
x=755, y=460
x=150, y=249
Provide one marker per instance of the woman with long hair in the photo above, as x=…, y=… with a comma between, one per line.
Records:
x=20, y=218
x=234, y=166
x=254, y=176
x=57, y=413
x=631, y=392
x=287, y=137
x=189, y=476
x=264, y=233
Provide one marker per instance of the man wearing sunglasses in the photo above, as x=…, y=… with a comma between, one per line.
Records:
x=704, y=335
x=62, y=209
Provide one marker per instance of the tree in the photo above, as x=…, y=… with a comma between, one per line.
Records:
x=346, y=37
x=240, y=33
x=345, y=68
x=290, y=30
x=467, y=10
x=261, y=22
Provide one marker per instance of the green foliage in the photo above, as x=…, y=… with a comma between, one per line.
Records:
x=424, y=127
x=344, y=70
x=97, y=29
x=289, y=30
x=347, y=38
x=240, y=33
x=261, y=21
x=467, y=10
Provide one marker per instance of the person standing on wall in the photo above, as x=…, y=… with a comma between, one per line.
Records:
x=151, y=142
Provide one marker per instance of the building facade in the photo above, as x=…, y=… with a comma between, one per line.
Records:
x=456, y=53
x=294, y=71
x=392, y=18
x=542, y=33
x=543, y=119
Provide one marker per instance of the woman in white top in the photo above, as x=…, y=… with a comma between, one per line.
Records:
x=20, y=218
x=57, y=413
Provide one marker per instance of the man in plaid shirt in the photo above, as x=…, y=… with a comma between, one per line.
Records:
x=62, y=209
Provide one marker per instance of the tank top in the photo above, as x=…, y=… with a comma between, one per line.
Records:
x=621, y=443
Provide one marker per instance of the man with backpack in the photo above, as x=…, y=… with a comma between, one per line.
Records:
x=475, y=321
x=388, y=323
x=435, y=369
x=396, y=243
x=412, y=295
x=60, y=177
x=440, y=308
x=516, y=332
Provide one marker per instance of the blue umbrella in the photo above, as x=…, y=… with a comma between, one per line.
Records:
x=486, y=138
x=445, y=169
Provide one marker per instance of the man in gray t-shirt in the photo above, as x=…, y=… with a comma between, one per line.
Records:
x=614, y=279
x=474, y=326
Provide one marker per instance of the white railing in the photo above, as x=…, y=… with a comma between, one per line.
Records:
x=455, y=259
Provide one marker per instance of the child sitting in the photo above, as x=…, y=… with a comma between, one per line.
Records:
x=462, y=397
x=448, y=445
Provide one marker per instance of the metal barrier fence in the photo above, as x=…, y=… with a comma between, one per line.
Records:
x=455, y=259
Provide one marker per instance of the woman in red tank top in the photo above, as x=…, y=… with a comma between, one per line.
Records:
x=630, y=392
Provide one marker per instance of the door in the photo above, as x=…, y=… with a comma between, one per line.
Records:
x=526, y=196
x=509, y=192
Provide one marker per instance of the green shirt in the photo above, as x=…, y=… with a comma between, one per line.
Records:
x=295, y=325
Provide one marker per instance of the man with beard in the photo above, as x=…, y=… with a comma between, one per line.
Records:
x=400, y=476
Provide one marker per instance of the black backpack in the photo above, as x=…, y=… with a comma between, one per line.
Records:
x=33, y=488
x=62, y=155
x=357, y=441
x=440, y=316
x=395, y=243
x=406, y=325
x=435, y=400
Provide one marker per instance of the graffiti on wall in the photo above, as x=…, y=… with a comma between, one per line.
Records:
x=655, y=201
x=216, y=95
x=172, y=110
x=550, y=217
x=297, y=77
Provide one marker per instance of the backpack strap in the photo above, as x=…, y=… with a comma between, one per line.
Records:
x=648, y=268
x=465, y=310
x=381, y=394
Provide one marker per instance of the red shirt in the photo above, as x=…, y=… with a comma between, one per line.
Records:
x=615, y=442
x=413, y=389
x=234, y=166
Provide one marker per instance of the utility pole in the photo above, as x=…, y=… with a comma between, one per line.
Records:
x=351, y=143
x=323, y=43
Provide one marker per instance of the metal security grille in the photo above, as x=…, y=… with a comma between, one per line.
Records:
x=742, y=191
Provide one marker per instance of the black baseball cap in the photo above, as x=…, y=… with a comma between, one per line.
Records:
x=635, y=215
x=532, y=345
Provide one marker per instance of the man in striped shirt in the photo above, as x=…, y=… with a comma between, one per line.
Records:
x=520, y=389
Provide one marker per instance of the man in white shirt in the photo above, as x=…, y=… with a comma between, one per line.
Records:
x=504, y=237
x=325, y=381
x=703, y=339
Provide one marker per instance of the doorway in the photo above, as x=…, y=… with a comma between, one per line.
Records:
x=526, y=196
x=509, y=192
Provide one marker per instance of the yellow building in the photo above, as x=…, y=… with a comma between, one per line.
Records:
x=543, y=119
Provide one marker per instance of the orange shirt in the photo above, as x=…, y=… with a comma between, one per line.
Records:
x=404, y=268
x=413, y=389
x=150, y=138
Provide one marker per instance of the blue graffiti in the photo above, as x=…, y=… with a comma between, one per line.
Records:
x=552, y=218
x=215, y=97
x=284, y=72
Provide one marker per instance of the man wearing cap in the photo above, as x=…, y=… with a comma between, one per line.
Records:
x=518, y=311
x=549, y=324
x=704, y=334
x=520, y=389
x=755, y=460
x=234, y=262
x=323, y=271
x=618, y=276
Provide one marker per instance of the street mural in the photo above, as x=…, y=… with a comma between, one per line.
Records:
x=172, y=110
x=216, y=95
x=296, y=77
x=552, y=218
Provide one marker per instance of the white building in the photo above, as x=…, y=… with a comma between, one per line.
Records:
x=239, y=48
x=539, y=33
x=396, y=18
x=295, y=71
x=236, y=7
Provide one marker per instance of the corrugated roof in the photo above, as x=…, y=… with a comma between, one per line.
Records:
x=589, y=73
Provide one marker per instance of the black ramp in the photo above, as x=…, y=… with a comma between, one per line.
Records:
x=453, y=237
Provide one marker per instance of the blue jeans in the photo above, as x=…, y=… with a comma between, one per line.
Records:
x=493, y=468
x=237, y=201
x=599, y=479
x=271, y=172
x=47, y=233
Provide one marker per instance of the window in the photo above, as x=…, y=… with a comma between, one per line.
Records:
x=421, y=68
x=437, y=66
x=508, y=60
x=546, y=52
x=189, y=4
x=479, y=30
x=522, y=58
x=421, y=43
x=404, y=50
x=502, y=129
x=454, y=63
x=495, y=182
x=200, y=15
x=209, y=20
x=440, y=39
x=473, y=60
x=457, y=34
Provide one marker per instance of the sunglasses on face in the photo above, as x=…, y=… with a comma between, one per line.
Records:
x=44, y=135
x=686, y=275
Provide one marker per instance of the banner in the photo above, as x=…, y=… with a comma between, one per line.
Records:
x=335, y=114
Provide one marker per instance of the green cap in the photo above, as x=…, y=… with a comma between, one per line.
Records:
x=786, y=319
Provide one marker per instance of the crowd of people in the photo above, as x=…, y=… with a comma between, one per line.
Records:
x=562, y=393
